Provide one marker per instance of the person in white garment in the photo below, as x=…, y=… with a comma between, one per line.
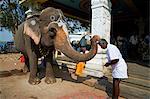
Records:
x=119, y=66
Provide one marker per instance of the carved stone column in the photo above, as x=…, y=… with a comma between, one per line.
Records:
x=101, y=23
x=101, y=18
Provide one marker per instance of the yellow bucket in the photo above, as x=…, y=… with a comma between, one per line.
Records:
x=79, y=68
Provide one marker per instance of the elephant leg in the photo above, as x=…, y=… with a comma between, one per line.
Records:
x=26, y=65
x=33, y=60
x=50, y=77
x=56, y=69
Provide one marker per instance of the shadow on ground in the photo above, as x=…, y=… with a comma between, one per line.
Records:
x=67, y=74
x=14, y=72
x=62, y=72
x=104, y=84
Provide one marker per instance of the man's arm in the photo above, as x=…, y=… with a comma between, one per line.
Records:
x=112, y=62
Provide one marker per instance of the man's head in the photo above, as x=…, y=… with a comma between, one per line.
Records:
x=103, y=43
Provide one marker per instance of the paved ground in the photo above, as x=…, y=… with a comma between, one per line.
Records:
x=17, y=87
x=15, y=84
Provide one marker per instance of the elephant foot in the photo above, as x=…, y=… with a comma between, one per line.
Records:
x=25, y=69
x=50, y=80
x=34, y=81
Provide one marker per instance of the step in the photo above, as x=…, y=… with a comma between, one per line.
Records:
x=126, y=90
x=135, y=88
x=139, y=83
x=135, y=82
x=139, y=70
x=131, y=92
x=140, y=76
x=67, y=64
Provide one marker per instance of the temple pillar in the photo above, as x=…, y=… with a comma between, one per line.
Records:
x=101, y=23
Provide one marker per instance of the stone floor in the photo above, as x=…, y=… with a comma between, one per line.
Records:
x=14, y=84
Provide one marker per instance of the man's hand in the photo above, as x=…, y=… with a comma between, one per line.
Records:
x=112, y=62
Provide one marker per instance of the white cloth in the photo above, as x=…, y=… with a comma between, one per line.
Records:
x=119, y=70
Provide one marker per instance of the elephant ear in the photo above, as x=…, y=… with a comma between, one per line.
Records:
x=32, y=29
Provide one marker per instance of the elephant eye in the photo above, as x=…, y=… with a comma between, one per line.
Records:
x=33, y=22
x=52, y=18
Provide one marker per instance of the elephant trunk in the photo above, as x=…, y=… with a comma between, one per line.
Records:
x=62, y=43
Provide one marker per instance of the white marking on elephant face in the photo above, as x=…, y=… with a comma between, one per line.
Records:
x=65, y=29
x=61, y=23
x=33, y=22
x=52, y=18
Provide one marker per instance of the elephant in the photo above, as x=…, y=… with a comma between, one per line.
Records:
x=40, y=35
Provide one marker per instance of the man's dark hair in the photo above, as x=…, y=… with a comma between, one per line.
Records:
x=102, y=42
